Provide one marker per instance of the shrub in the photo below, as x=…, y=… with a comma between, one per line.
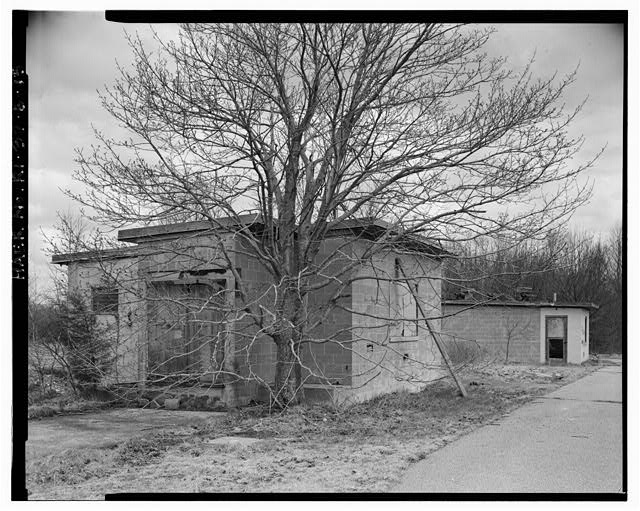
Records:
x=65, y=339
x=463, y=352
x=88, y=349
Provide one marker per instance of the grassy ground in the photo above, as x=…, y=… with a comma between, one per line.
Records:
x=365, y=448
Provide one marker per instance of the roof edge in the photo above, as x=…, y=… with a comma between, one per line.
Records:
x=496, y=303
x=364, y=224
x=95, y=255
x=136, y=234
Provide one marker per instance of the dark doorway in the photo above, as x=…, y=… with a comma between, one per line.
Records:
x=556, y=338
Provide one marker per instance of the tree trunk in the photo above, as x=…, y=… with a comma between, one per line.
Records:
x=229, y=350
x=287, y=334
x=506, y=359
x=288, y=388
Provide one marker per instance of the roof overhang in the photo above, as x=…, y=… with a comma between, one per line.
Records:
x=95, y=255
x=497, y=303
x=365, y=228
x=227, y=224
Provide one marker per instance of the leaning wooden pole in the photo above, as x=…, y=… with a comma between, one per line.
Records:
x=436, y=336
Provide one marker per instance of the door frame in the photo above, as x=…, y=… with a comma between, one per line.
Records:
x=565, y=344
x=187, y=331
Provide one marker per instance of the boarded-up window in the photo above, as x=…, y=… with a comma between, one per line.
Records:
x=105, y=300
x=406, y=308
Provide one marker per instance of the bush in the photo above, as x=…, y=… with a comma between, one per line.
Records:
x=463, y=352
x=88, y=349
x=36, y=394
x=65, y=340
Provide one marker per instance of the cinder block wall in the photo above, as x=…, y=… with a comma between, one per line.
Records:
x=492, y=328
x=126, y=333
x=190, y=252
x=255, y=353
x=383, y=361
x=327, y=359
x=328, y=356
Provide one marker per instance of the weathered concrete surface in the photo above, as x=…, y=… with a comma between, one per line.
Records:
x=233, y=441
x=568, y=441
x=105, y=428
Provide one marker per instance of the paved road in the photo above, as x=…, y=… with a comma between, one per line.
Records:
x=568, y=441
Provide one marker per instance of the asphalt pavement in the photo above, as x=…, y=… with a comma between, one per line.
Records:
x=569, y=441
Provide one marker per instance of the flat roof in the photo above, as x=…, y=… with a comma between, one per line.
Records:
x=370, y=228
x=138, y=234
x=367, y=227
x=515, y=303
x=95, y=255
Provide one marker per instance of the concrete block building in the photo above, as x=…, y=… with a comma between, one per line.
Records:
x=176, y=319
x=520, y=331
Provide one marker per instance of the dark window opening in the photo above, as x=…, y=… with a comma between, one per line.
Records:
x=556, y=348
x=586, y=330
x=406, y=300
x=105, y=300
x=417, y=311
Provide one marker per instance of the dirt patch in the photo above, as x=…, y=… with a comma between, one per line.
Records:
x=106, y=429
x=364, y=448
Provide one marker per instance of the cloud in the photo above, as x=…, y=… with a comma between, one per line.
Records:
x=597, y=53
x=77, y=51
x=71, y=55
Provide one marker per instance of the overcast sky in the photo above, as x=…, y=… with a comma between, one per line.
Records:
x=71, y=55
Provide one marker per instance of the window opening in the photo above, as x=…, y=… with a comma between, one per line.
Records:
x=105, y=300
x=407, y=310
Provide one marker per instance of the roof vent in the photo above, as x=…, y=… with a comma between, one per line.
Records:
x=525, y=294
x=469, y=293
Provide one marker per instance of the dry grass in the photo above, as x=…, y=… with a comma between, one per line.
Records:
x=57, y=398
x=365, y=448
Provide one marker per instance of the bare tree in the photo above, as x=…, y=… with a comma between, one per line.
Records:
x=312, y=125
x=615, y=306
x=515, y=328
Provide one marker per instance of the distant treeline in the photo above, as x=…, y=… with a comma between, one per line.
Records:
x=577, y=267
